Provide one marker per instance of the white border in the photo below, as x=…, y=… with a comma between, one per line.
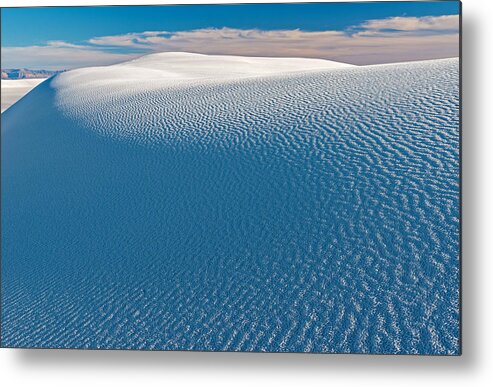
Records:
x=112, y=368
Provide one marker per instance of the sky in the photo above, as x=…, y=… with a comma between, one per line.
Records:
x=56, y=38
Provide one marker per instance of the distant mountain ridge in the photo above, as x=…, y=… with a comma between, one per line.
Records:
x=27, y=73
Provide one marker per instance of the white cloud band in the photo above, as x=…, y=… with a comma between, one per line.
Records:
x=375, y=41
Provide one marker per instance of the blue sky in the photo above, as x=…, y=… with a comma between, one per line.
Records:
x=66, y=37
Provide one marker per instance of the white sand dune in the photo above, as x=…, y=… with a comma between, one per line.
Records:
x=176, y=87
x=13, y=90
x=162, y=68
x=184, y=201
x=182, y=66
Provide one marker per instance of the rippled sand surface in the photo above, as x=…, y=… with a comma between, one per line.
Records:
x=291, y=210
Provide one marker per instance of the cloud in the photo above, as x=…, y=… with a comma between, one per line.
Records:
x=57, y=55
x=133, y=40
x=425, y=23
x=394, y=39
x=362, y=47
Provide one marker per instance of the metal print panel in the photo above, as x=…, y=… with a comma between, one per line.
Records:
x=263, y=177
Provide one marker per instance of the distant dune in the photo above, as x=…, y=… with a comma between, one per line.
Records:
x=184, y=201
x=13, y=90
x=26, y=73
